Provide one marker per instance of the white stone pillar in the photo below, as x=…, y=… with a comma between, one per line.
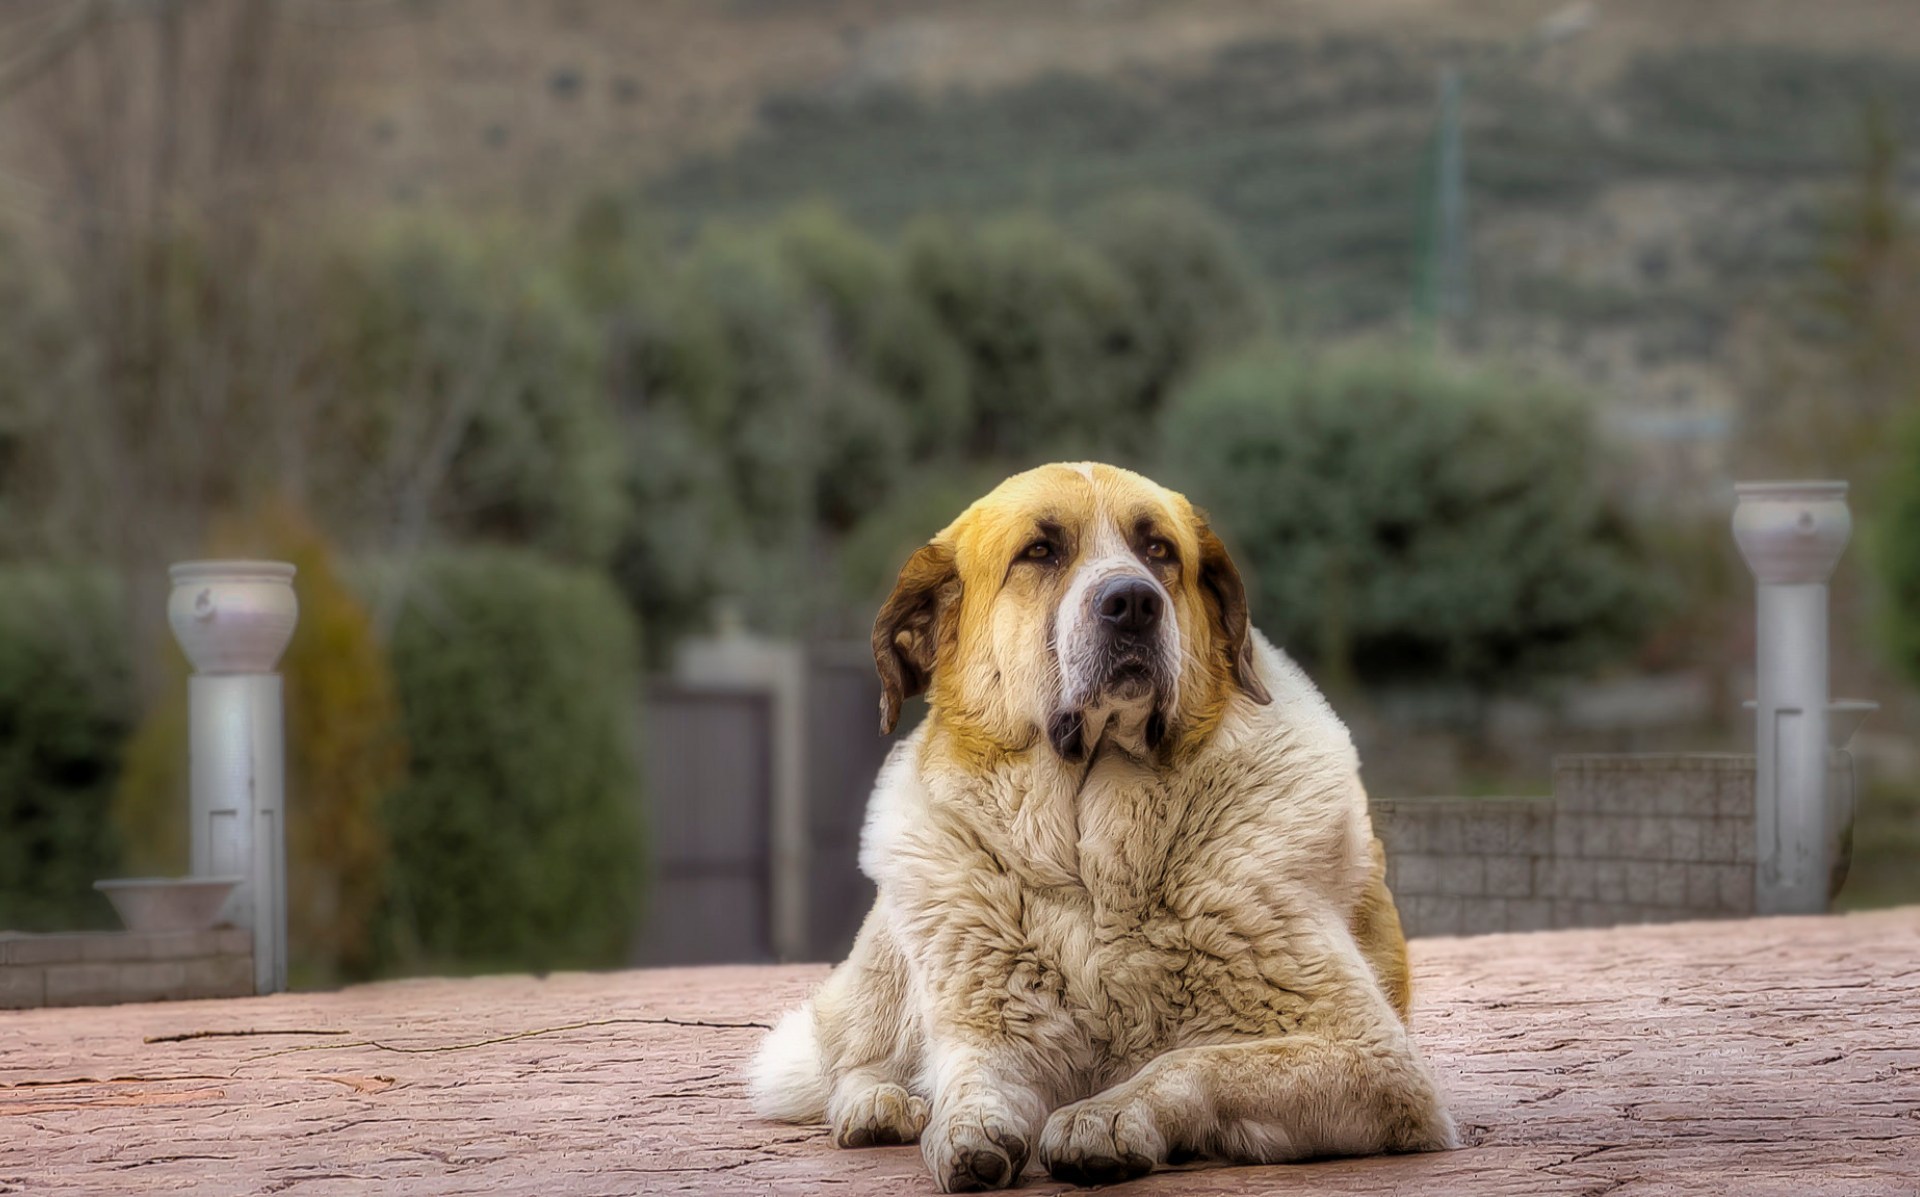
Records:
x=1791, y=535
x=233, y=619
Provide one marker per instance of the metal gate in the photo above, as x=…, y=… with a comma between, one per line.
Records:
x=709, y=787
x=844, y=751
x=713, y=799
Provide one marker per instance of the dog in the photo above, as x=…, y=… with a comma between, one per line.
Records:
x=1131, y=908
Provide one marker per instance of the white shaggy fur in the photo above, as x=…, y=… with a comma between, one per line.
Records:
x=1110, y=959
x=788, y=1082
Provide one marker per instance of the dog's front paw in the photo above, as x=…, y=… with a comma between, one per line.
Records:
x=974, y=1147
x=881, y=1116
x=1102, y=1141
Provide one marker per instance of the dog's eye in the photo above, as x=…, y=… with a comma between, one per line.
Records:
x=1159, y=550
x=1039, y=550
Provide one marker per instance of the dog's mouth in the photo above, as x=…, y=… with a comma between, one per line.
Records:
x=1128, y=669
x=1126, y=705
x=1129, y=680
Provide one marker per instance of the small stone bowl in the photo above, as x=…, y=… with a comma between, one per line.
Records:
x=168, y=903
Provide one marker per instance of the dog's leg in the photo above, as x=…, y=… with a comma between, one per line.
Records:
x=1000, y=1053
x=849, y=1056
x=872, y=1045
x=986, y=1114
x=1319, y=1092
x=1376, y=929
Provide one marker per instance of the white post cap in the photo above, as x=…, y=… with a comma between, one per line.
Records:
x=233, y=616
x=1792, y=533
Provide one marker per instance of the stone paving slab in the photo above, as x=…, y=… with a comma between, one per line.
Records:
x=1775, y=1056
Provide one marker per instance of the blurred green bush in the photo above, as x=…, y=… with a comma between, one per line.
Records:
x=66, y=707
x=1054, y=334
x=878, y=328
x=516, y=838
x=470, y=381
x=1895, y=546
x=1194, y=288
x=1402, y=517
x=781, y=386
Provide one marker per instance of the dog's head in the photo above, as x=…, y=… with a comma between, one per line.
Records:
x=1080, y=602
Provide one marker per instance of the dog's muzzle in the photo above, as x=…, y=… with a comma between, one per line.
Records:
x=1118, y=655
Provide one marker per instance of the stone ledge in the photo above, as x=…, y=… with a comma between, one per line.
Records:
x=107, y=967
x=70, y=947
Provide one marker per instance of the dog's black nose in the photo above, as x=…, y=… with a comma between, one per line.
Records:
x=1130, y=605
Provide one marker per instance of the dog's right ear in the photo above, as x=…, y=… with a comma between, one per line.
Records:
x=1220, y=582
x=906, y=635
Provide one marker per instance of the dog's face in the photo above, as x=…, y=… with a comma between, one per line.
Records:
x=1082, y=603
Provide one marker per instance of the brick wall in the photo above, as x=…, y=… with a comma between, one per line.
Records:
x=1623, y=839
x=102, y=968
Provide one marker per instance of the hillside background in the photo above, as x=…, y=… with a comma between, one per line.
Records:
x=550, y=334
x=1642, y=178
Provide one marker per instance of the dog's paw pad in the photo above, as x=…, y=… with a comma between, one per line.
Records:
x=883, y=1116
x=968, y=1154
x=1098, y=1142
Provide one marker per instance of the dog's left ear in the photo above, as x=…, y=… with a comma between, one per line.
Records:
x=906, y=635
x=1227, y=596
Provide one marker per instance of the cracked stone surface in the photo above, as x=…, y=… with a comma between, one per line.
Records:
x=1766, y=1056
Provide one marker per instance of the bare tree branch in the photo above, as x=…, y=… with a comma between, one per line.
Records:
x=78, y=20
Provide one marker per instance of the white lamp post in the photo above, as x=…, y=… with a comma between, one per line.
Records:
x=1791, y=535
x=233, y=619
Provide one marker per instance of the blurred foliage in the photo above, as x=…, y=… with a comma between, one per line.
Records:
x=471, y=376
x=150, y=799
x=1407, y=518
x=1866, y=299
x=873, y=553
x=1055, y=335
x=343, y=755
x=876, y=324
x=1188, y=274
x=65, y=710
x=35, y=334
x=515, y=840
x=782, y=386
x=1846, y=349
x=1886, y=843
x=670, y=381
x=1314, y=152
x=1895, y=549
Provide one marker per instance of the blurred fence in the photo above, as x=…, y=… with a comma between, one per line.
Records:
x=1653, y=846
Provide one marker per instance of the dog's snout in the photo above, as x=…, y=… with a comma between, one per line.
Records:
x=1130, y=605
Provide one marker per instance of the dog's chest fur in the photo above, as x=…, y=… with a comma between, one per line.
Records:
x=1136, y=911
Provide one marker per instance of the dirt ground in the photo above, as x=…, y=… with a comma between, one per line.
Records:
x=1768, y=1056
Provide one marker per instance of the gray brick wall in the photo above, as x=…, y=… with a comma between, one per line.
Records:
x=103, y=968
x=1623, y=839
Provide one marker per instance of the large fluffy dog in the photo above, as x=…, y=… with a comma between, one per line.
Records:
x=1131, y=907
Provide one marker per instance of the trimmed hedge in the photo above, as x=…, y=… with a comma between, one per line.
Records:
x=516, y=839
x=1895, y=545
x=65, y=712
x=1410, y=519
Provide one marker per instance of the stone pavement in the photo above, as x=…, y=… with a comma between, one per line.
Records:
x=1766, y=1056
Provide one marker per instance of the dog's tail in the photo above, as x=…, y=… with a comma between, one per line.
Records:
x=788, y=1080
